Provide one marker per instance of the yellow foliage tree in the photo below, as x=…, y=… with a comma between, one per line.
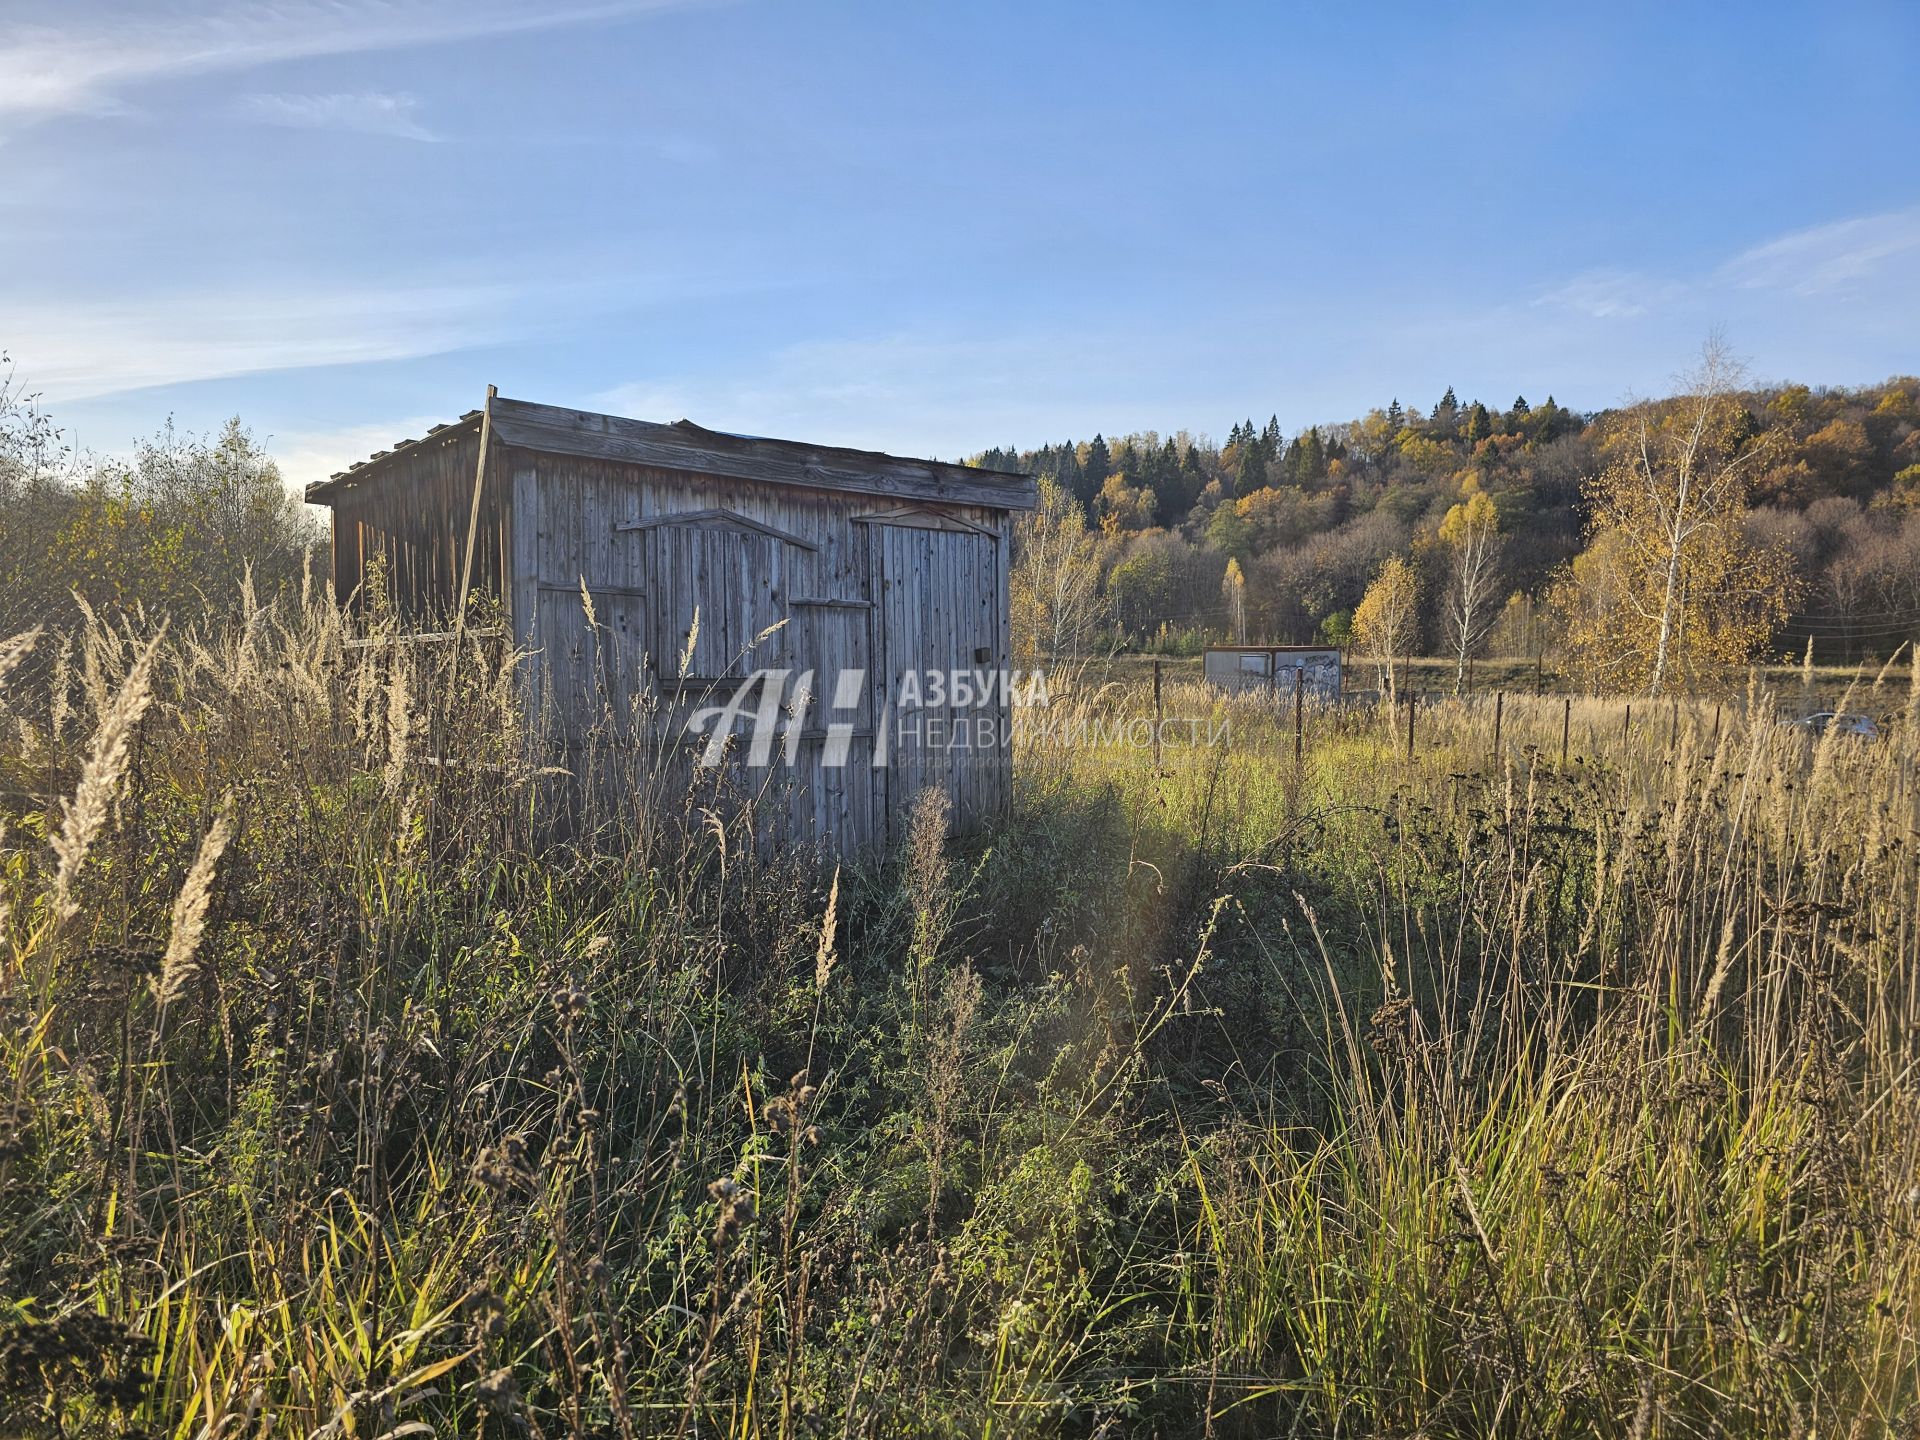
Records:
x=1383, y=625
x=1471, y=533
x=1054, y=589
x=1233, y=587
x=1125, y=506
x=1670, y=593
x=1423, y=452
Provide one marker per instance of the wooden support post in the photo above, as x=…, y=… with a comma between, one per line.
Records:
x=1156, y=712
x=1499, y=709
x=1566, y=727
x=1716, y=727
x=1626, y=723
x=1299, y=700
x=1673, y=726
x=473, y=518
x=1413, y=699
x=473, y=532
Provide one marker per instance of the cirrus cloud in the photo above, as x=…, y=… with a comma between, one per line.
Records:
x=1827, y=257
x=57, y=58
x=396, y=115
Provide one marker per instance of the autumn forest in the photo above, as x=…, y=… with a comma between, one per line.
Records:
x=1509, y=530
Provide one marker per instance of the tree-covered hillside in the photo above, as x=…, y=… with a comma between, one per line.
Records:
x=1311, y=517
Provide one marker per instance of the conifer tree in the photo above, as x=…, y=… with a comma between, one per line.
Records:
x=1313, y=457
x=1250, y=469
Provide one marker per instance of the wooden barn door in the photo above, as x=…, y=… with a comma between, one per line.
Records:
x=734, y=583
x=592, y=683
x=936, y=617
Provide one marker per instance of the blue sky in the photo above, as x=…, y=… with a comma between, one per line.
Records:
x=934, y=227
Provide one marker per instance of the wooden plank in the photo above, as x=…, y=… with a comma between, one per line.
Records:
x=640, y=592
x=420, y=637
x=522, y=571
x=914, y=517
x=778, y=462
x=718, y=517
x=473, y=519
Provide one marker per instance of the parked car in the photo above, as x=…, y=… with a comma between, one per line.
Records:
x=1865, y=727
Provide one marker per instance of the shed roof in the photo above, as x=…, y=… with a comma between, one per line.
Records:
x=553, y=430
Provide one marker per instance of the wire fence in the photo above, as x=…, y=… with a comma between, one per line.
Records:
x=1153, y=715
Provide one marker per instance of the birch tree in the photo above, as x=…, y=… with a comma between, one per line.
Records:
x=1676, y=593
x=1234, y=589
x=1383, y=625
x=1054, y=588
x=1471, y=533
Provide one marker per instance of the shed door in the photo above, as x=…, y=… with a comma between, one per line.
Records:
x=726, y=590
x=590, y=677
x=936, y=608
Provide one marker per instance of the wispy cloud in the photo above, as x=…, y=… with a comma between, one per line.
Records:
x=1864, y=261
x=367, y=114
x=1827, y=257
x=79, y=351
x=53, y=61
x=1609, y=294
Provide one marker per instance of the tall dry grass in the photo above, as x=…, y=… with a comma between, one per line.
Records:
x=361, y=1079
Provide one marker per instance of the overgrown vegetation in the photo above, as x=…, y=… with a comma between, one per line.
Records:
x=1470, y=1093
x=173, y=529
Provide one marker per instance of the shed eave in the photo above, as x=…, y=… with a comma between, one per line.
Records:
x=684, y=446
x=323, y=492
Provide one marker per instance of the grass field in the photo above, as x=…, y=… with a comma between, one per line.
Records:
x=1793, y=689
x=1467, y=1093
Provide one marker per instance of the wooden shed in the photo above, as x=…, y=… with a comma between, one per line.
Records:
x=664, y=579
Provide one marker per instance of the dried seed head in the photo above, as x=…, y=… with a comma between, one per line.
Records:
x=86, y=813
x=190, y=910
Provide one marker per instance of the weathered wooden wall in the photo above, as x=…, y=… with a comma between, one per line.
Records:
x=833, y=581
x=409, y=519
